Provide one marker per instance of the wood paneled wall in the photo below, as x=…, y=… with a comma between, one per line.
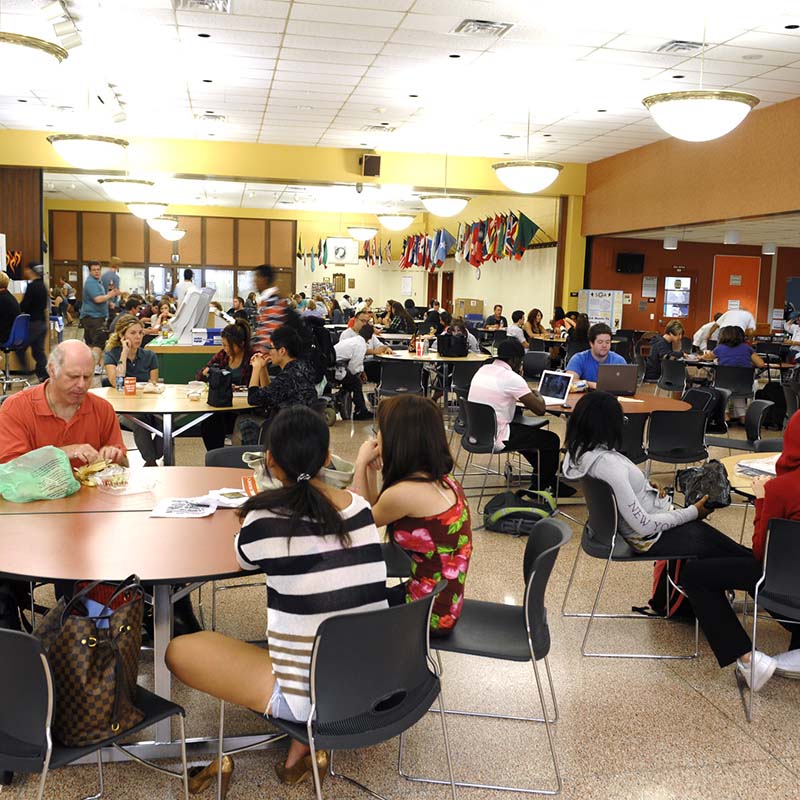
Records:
x=21, y=211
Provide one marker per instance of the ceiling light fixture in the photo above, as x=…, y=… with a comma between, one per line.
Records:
x=88, y=152
x=699, y=115
x=27, y=55
x=174, y=235
x=731, y=237
x=146, y=210
x=125, y=190
x=670, y=242
x=445, y=205
x=526, y=176
x=162, y=224
x=395, y=222
x=362, y=233
x=769, y=249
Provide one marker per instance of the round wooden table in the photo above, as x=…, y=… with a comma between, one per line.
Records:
x=743, y=484
x=404, y=355
x=640, y=403
x=85, y=537
x=172, y=401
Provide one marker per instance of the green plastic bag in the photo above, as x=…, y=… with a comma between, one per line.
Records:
x=43, y=474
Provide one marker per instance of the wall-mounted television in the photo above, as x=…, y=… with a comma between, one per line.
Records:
x=630, y=263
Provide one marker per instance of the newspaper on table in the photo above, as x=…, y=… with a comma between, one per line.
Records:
x=184, y=507
x=755, y=467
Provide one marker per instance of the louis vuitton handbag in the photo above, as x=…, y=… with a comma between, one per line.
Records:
x=92, y=643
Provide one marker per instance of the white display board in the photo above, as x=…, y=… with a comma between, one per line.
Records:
x=602, y=305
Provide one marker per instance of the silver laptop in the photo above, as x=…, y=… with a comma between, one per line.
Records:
x=554, y=386
x=617, y=379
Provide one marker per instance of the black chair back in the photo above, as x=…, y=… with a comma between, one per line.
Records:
x=624, y=348
x=686, y=344
x=772, y=349
x=26, y=700
x=544, y=542
x=673, y=375
x=534, y=363
x=401, y=377
x=792, y=401
x=601, y=513
x=537, y=345
x=573, y=348
x=677, y=437
x=633, y=438
x=231, y=456
x=481, y=427
x=370, y=673
x=754, y=418
x=781, y=561
x=738, y=379
x=463, y=372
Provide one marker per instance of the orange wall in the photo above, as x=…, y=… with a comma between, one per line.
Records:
x=749, y=172
x=698, y=259
x=748, y=269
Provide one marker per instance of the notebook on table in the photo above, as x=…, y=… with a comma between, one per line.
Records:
x=617, y=379
x=554, y=386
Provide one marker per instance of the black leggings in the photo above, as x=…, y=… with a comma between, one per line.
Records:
x=698, y=539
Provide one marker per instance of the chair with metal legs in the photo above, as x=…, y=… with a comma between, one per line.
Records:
x=676, y=437
x=601, y=539
x=777, y=589
x=513, y=633
x=673, y=376
x=28, y=700
x=753, y=420
x=17, y=342
x=372, y=678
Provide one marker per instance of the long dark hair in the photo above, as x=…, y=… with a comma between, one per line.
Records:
x=238, y=333
x=298, y=442
x=536, y=327
x=580, y=332
x=399, y=311
x=597, y=421
x=413, y=440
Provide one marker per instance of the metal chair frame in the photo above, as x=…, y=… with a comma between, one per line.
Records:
x=15, y=343
x=617, y=552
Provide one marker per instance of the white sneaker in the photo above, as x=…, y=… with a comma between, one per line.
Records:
x=764, y=666
x=788, y=664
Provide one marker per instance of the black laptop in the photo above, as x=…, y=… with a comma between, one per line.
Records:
x=617, y=379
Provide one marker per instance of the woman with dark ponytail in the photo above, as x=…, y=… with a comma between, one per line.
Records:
x=235, y=356
x=308, y=538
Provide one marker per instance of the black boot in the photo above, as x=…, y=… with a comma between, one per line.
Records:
x=183, y=618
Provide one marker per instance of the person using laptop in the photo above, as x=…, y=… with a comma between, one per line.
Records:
x=620, y=379
x=500, y=385
x=584, y=365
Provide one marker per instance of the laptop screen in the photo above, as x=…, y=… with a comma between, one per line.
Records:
x=555, y=384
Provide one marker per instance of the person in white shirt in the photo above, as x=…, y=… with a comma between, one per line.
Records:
x=363, y=305
x=345, y=303
x=185, y=285
x=499, y=384
x=353, y=350
x=514, y=331
x=700, y=338
x=738, y=317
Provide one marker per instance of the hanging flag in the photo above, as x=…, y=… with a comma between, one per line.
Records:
x=313, y=261
x=388, y=251
x=300, y=256
x=459, y=244
x=380, y=253
x=511, y=234
x=527, y=230
x=324, y=259
x=446, y=242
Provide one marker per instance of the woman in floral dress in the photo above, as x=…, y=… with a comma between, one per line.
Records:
x=423, y=506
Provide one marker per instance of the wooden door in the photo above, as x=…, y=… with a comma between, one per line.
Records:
x=447, y=291
x=433, y=287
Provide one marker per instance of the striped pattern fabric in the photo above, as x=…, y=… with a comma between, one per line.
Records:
x=310, y=577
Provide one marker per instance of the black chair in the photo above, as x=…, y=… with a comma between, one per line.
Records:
x=753, y=420
x=512, y=633
x=624, y=348
x=463, y=373
x=537, y=345
x=777, y=589
x=739, y=380
x=372, y=678
x=534, y=363
x=27, y=700
x=673, y=376
x=676, y=437
x=398, y=562
x=790, y=395
x=601, y=539
x=572, y=349
x=633, y=438
x=686, y=344
x=231, y=456
x=400, y=377
x=17, y=342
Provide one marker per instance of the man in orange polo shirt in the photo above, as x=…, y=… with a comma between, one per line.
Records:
x=61, y=412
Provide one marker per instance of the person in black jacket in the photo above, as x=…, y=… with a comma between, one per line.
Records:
x=660, y=346
x=36, y=302
x=9, y=308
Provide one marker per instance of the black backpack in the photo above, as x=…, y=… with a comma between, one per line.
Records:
x=317, y=345
x=774, y=415
x=452, y=344
x=711, y=402
x=517, y=512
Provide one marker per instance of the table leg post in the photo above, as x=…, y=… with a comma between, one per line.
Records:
x=162, y=626
x=169, y=442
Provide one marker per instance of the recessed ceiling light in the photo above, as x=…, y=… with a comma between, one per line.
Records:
x=678, y=77
x=49, y=125
x=413, y=95
x=601, y=110
x=20, y=100
x=791, y=27
x=209, y=112
x=454, y=55
x=752, y=57
x=384, y=123
x=207, y=80
x=363, y=144
x=212, y=134
x=547, y=134
x=203, y=35
x=304, y=108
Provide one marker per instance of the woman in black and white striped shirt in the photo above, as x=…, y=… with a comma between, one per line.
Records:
x=320, y=551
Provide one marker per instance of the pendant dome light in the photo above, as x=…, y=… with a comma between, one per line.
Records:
x=174, y=235
x=146, y=209
x=127, y=189
x=162, y=224
x=444, y=204
x=526, y=176
x=395, y=222
x=88, y=152
x=28, y=56
x=362, y=233
x=699, y=115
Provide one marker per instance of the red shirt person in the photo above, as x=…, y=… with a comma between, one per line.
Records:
x=61, y=412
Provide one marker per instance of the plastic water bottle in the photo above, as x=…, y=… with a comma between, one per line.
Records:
x=120, y=381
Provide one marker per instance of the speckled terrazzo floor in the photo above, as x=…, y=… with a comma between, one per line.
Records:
x=629, y=728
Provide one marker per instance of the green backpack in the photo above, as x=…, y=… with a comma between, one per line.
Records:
x=517, y=512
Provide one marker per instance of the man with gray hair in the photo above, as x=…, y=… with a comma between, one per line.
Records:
x=63, y=413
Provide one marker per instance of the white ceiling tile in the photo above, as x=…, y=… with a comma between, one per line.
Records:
x=345, y=16
x=197, y=21
x=311, y=67
x=791, y=88
x=775, y=58
x=434, y=23
x=387, y=5
x=767, y=41
x=315, y=43
x=354, y=33
x=447, y=42
x=330, y=56
x=783, y=74
x=608, y=56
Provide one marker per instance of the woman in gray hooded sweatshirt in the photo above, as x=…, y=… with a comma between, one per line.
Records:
x=647, y=519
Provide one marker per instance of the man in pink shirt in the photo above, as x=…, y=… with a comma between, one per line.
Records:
x=500, y=385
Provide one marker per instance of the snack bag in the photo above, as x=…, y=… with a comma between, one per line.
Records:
x=43, y=474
